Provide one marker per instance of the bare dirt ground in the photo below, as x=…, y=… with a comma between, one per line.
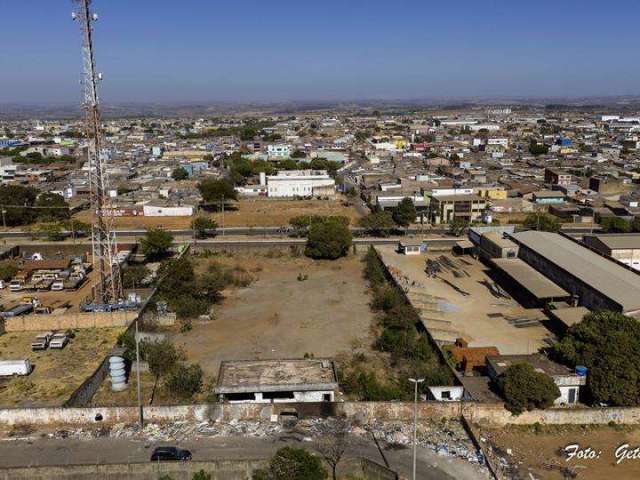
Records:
x=56, y=373
x=244, y=213
x=540, y=451
x=279, y=316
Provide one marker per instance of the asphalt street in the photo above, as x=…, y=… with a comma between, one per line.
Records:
x=60, y=452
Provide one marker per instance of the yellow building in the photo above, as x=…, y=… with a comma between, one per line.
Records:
x=492, y=193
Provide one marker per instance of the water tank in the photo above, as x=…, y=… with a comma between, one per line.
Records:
x=118, y=373
x=581, y=371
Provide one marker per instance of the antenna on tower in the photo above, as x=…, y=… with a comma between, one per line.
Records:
x=108, y=289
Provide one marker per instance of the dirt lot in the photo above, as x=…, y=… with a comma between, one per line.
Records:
x=540, y=451
x=245, y=213
x=459, y=300
x=56, y=373
x=279, y=316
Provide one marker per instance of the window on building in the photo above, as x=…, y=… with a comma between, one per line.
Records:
x=445, y=395
x=278, y=395
x=235, y=397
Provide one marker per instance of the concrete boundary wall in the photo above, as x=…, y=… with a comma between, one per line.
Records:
x=237, y=469
x=25, y=323
x=491, y=415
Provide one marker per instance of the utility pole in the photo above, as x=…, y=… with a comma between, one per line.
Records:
x=222, y=205
x=415, y=382
x=138, y=376
x=4, y=219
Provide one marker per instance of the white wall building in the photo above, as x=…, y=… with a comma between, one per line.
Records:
x=278, y=151
x=300, y=183
x=167, y=211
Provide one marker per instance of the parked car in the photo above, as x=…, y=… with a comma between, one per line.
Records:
x=58, y=341
x=10, y=368
x=16, y=285
x=170, y=454
x=41, y=341
x=2, y=285
x=57, y=285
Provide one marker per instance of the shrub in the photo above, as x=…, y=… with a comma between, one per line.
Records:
x=184, y=381
x=523, y=388
x=156, y=244
x=291, y=463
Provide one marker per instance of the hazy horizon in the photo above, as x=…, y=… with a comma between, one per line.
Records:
x=163, y=52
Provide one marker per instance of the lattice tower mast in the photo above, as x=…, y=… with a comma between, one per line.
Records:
x=108, y=288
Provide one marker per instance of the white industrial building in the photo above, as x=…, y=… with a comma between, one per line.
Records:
x=299, y=183
x=150, y=210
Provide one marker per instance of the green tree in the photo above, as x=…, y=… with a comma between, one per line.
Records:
x=53, y=231
x=201, y=225
x=542, y=222
x=635, y=224
x=161, y=356
x=52, y=207
x=298, y=154
x=179, y=173
x=330, y=239
x=201, y=475
x=134, y=275
x=538, y=148
x=8, y=270
x=608, y=344
x=523, y=388
x=405, y=213
x=377, y=223
x=15, y=200
x=291, y=463
x=615, y=225
x=184, y=381
x=156, y=244
x=458, y=226
x=214, y=191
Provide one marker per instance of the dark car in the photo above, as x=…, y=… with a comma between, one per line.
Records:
x=170, y=454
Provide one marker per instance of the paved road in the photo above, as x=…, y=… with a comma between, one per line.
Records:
x=49, y=452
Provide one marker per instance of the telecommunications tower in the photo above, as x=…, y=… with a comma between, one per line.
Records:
x=107, y=289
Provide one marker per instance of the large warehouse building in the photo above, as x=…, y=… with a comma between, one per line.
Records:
x=597, y=282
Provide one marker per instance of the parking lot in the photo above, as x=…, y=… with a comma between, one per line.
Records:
x=459, y=298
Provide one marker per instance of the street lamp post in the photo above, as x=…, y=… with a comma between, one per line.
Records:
x=415, y=382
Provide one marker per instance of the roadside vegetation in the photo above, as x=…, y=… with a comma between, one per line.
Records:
x=407, y=352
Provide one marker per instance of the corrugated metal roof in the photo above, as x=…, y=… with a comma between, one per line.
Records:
x=617, y=283
x=530, y=279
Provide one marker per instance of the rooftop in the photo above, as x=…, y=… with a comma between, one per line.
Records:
x=530, y=279
x=619, y=284
x=620, y=242
x=276, y=375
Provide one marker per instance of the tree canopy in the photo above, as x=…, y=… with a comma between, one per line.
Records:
x=156, y=243
x=608, y=344
x=16, y=200
x=329, y=239
x=291, y=463
x=216, y=190
x=542, y=221
x=524, y=388
x=179, y=173
x=405, y=213
x=377, y=223
x=52, y=206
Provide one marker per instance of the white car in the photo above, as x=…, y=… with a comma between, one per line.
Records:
x=57, y=286
x=16, y=285
x=58, y=340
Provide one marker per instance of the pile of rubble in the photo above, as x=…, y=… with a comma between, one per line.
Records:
x=447, y=438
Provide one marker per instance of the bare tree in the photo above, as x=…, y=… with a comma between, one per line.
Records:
x=334, y=443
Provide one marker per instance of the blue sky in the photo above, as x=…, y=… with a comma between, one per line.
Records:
x=210, y=50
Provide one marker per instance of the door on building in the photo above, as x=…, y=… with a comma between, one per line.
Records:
x=572, y=395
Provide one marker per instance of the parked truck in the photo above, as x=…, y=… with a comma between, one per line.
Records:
x=10, y=368
x=21, y=309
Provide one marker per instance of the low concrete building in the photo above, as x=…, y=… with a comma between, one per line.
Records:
x=495, y=245
x=568, y=381
x=446, y=208
x=277, y=381
x=624, y=248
